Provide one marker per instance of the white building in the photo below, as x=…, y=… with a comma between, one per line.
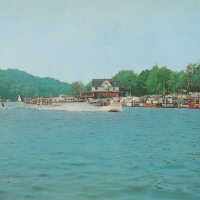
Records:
x=105, y=85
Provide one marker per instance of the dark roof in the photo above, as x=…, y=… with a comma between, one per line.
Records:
x=98, y=82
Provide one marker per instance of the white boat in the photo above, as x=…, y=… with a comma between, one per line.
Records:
x=19, y=99
x=113, y=107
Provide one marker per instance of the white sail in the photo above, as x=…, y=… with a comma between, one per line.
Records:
x=19, y=99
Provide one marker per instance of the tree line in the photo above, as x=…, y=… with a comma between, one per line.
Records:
x=157, y=80
x=14, y=82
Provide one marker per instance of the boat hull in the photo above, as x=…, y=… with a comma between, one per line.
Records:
x=112, y=108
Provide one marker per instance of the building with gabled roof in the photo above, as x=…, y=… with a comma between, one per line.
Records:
x=105, y=85
x=101, y=88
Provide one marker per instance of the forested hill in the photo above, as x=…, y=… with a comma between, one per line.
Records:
x=14, y=82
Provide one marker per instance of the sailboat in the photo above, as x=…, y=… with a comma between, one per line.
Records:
x=19, y=99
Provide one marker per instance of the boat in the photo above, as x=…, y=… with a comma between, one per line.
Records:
x=115, y=106
x=19, y=99
x=93, y=101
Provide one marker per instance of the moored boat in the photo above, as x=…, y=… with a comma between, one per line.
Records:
x=19, y=99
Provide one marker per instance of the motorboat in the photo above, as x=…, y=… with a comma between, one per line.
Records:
x=114, y=106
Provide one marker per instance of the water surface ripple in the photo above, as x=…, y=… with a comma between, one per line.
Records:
x=138, y=154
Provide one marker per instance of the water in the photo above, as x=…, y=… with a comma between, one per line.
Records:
x=138, y=154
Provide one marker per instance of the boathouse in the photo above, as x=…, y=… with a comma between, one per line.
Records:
x=103, y=88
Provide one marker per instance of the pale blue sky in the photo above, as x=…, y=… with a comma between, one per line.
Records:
x=84, y=39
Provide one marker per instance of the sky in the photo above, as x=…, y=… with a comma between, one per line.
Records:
x=78, y=40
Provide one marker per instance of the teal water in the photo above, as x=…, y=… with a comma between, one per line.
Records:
x=138, y=154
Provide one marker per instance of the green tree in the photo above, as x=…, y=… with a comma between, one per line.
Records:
x=159, y=80
x=177, y=82
x=88, y=87
x=127, y=80
x=141, y=82
x=15, y=82
x=193, y=77
x=76, y=88
x=152, y=81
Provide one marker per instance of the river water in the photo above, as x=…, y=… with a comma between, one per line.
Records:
x=137, y=154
